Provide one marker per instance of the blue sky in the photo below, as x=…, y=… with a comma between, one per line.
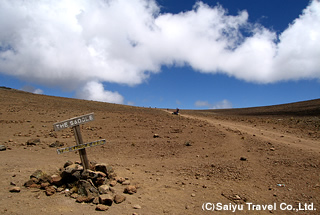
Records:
x=168, y=54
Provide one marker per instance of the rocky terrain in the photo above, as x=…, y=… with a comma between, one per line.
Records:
x=260, y=160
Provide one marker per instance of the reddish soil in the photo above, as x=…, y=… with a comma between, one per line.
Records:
x=232, y=157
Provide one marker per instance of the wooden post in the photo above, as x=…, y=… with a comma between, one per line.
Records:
x=82, y=152
x=75, y=123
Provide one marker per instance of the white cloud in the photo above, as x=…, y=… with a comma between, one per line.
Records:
x=71, y=43
x=224, y=104
x=202, y=104
x=95, y=91
x=32, y=89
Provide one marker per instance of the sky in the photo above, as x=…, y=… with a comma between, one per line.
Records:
x=166, y=53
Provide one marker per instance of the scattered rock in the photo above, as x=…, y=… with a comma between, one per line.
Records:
x=106, y=199
x=37, y=186
x=15, y=189
x=236, y=197
x=3, y=148
x=101, y=207
x=56, y=180
x=136, y=207
x=68, y=163
x=33, y=142
x=40, y=176
x=50, y=191
x=119, y=198
x=29, y=183
x=108, y=170
x=126, y=182
x=130, y=189
x=103, y=189
x=188, y=144
x=85, y=199
x=96, y=200
x=120, y=179
x=74, y=195
x=56, y=144
x=44, y=185
x=85, y=188
x=113, y=183
x=156, y=136
x=243, y=158
x=272, y=149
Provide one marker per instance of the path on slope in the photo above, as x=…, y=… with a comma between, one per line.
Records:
x=275, y=136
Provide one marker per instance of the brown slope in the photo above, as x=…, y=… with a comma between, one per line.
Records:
x=196, y=158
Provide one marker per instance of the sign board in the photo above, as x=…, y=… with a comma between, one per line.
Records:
x=73, y=122
x=81, y=146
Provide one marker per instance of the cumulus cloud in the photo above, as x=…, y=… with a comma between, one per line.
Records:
x=32, y=89
x=202, y=104
x=72, y=43
x=95, y=91
x=224, y=104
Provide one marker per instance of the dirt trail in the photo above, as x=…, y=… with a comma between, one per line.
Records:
x=263, y=133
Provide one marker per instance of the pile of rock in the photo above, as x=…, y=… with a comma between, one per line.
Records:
x=90, y=186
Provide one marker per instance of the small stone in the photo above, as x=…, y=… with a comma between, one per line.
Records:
x=56, y=144
x=100, y=174
x=236, y=197
x=243, y=158
x=29, y=183
x=188, y=143
x=193, y=195
x=103, y=189
x=68, y=163
x=12, y=183
x=156, y=136
x=50, y=191
x=120, y=179
x=33, y=142
x=85, y=199
x=56, y=180
x=101, y=207
x=40, y=176
x=108, y=170
x=136, y=206
x=130, y=189
x=272, y=149
x=126, y=182
x=60, y=189
x=15, y=189
x=74, y=195
x=86, y=188
x=106, y=199
x=37, y=186
x=3, y=148
x=113, y=183
x=119, y=198
x=44, y=185
x=96, y=200
x=100, y=181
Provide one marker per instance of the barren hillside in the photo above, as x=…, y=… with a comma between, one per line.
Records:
x=266, y=156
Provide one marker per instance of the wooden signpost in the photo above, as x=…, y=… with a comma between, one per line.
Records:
x=74, y=124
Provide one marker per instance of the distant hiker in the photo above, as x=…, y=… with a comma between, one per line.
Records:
x=176, y=112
